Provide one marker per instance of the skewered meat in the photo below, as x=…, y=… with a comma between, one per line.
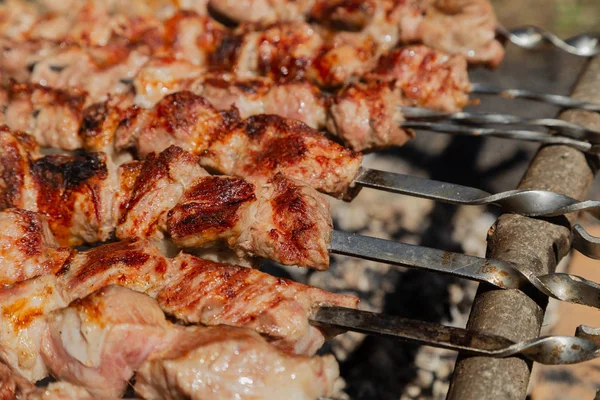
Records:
x=27, y=247
x=240, y=364
x=207, y=293
x=193, y=290
x=264, y=145
x=170, y=196
x=465, y=27
x=181, y=119
x=366, y=116
x=427, y=78
x=95, y=341
x=23, y=307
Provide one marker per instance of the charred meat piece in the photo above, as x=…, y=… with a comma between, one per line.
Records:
x=52, y=116
x=160, y=182
x=279, y=219
x=17, y=186
x=216, y=294
x=99, y=341
x=27, y=247
x=75, y=194
x=366, y=116
x=239, y=363
x=264, y=145
x=426, y=77
x=181, y=119
x=135, y=264
x=23, y=308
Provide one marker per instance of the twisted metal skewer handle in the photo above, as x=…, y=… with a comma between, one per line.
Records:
x=545, y=349
x=556, y=126
x=530, y=37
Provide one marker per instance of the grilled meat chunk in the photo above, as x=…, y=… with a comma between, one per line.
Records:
x=280, y=219
x=240, y=365
x=426, y=77
x=181, y=119
x=13, y=385
x=466, y=27
x=23, y=308
x=135, y=264
x=17, y=186
x=27, y=247
x=59, y=391
x=160, y=183
x=265, y=145
x=366, y=116
x=95, y=341
x=263, y=11
x=216, y=294
x=52, y=116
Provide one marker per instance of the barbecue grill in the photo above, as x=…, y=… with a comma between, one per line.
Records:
x=518, y=274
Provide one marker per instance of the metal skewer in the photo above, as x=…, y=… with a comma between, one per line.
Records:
x=553, y=125
x=546, y=349
x=530, y=37
x=501, y=274
x=532, y=203
x=530, y=136
x=554, y=99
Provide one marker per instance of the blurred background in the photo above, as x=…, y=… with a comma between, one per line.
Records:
x=379, y=368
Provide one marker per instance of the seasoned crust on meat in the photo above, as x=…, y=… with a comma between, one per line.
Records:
x=366, y=116
x=52, y=116
x=160, y=182
x=183, y=119
x=212, y=294
x=211, y=210
x=75, y=194
x=264, y=145
x=17, y=187
x=27, y=247
x=427, y=77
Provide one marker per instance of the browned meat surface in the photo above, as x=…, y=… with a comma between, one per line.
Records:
x=99, y=341
x=279, y=51
x=265, y=145
x=365, y=116
x=240, y=364
x=291, y=224
x=215, y=294
x=52, y=116
x=466, y=27
x=162, y=76
x=27, y=247
x=181, y=119
x=135, y=264
x=192, y=37
x=280, y=219
x=18, y=57
x=17, y=186
x=98, y=71
x=75, y=194
x=160, y=182
x=22, y=323
x=426, y=77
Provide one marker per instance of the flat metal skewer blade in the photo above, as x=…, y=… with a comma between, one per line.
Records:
x=495, y=272
x=554, y=125
x=502, y=274
x=518, y=134
x=554, y=99
x=547, y=350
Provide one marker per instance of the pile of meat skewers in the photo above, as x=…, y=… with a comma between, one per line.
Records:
x=155, y=96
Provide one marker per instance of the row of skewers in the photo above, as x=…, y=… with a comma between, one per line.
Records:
x=179, y=91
